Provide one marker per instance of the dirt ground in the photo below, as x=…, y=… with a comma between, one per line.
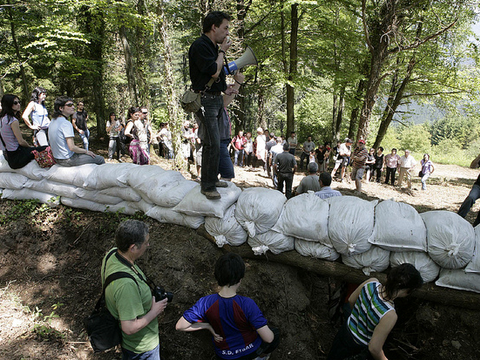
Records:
x=50, y=279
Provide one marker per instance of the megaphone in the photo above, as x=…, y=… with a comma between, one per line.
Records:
x=248, y=58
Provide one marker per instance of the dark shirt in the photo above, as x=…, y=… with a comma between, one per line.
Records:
x=285, y=162
x=81, y=119
x=320, y=154
x=202, y=57
x=271, y=143
x=477, y=182
x=378, y=161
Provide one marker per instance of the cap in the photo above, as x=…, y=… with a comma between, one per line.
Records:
x=361, y=141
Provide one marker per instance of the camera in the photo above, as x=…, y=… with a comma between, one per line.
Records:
x=161, y=294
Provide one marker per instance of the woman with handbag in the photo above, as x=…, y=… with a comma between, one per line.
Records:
x=38, y=112
x=427, y=170
x=373, y=314
x=137, y=134
x=18, y=152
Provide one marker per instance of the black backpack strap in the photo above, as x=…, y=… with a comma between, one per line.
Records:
x=108, y=280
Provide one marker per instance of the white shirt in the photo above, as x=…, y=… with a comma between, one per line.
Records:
x=344, y=150
x=407, y=162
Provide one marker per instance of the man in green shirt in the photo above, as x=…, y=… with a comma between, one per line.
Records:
x=133, y=303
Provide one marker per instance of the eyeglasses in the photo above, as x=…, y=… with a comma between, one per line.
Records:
x=70, y=104
x=16, y=102
x=144, y=113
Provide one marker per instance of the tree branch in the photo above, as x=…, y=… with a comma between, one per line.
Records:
x=365, y=27
x=436, y=94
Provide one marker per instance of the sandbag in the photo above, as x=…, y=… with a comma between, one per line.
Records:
x=226, y=230
x=110, y=175
x=374, y=260
x=350, y=224
x=459, y=280
x=155, y=188
x=52, y=187
x=79, y=203
x=125, y=193
x=316, y=250
x=31, y=170
x=27, y=194
x=175, y=193
x=75, y=175
x=12, y=180
x=170, y=216
x=474, y=265
x=258, y=209
x=137, y=176
x=271, y=240
x=450, y=239
x=398, y=227
x=422, y=262
x=305, y=217
x=97, y=196
x=196, y=204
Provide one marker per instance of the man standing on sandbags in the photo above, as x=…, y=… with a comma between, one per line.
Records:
x=285, y=166
x=206, y=60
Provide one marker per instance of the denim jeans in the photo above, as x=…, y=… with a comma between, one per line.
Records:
x=469, y=201
x=390, y=175
x=209, y=118
x=286, y=178
x=238, y=157
x=85, y=136
x=114, y=145
x=81, y=159
x=225, y=165
x=424, y=181
x=147, y=355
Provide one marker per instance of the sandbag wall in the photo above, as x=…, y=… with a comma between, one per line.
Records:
x=366, y=235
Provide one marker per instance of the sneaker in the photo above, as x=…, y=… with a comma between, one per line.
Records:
x=211, y=195
x=221, y=184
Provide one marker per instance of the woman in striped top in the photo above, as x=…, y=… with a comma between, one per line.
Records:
x=373, y=315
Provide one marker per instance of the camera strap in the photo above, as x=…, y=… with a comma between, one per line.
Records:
x=127, y=263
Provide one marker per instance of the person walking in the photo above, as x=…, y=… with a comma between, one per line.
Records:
x=427, y=170
x=406, y=165
x=285, y=166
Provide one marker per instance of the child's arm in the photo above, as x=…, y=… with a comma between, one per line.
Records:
x=184, y=325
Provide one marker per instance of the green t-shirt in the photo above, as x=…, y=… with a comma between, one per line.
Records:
x=127, y=301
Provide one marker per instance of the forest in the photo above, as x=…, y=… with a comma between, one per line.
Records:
x=332, y=69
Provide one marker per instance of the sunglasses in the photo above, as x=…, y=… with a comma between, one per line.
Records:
x=16, y=102
x=70, y=104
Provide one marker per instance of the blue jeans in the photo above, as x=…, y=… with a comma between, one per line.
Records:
x=85, y=136
x=424, y=181
x=238, y=156
x=209, y=117
x=80, y=159
x=469, y=201
x=225, y=166
x=147, y=355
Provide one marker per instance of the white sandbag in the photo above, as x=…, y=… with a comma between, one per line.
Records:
x=170, y=216
x=271, y=240
x=173, y=194
x=305, y=217
x=51, y=187
x=422, y=262
x=459, y=280
x=110, y=175
x=125, y=193
x=398, y=227
x=140, y=175
x=74, y=175
x=226, y=230
x=450, y=239
x=27, y=194
x=79, y=203
x=258, y=209
x=474, y=265
x=374, y=260
x=316, y=250
x=97, y=196
x=196, y=204
x=350, y=224
x=155, y=188
x=4, y=164
x=12, y=180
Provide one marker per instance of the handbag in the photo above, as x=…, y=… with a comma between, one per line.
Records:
x=191, y=101
x=103, y=329
x=420, y=173
x=44, y=158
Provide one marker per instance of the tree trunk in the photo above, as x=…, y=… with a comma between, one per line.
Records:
x=355, y=110
x=129, y=67
x=293, y=70
x=141, y=53
x=334, y=117
x=26, y=95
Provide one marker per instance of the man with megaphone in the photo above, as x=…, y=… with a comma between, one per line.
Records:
x=208, y=76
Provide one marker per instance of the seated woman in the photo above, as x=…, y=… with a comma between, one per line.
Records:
x=61, y=135
x=18, y=152
x=373, y=315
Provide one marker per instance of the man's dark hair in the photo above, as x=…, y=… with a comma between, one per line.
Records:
x=229, y=269
x=286, y=147
x=214, y=18
x=130, y=232
x=59, y=102
x=380, y=148
x=325, y=178
x=404, y=276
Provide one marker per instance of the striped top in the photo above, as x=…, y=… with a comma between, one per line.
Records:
x=369, y=309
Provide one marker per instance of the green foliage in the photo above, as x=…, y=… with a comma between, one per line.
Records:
x=415, y=138
x=24, y=209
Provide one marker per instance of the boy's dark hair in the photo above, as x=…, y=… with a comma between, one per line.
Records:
x=214, y=18
x=130, y=232
x=380, y=148
x=286, y=147
x=404, y=276
x=229, y=269
x=59, y=102
x=325, y=178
